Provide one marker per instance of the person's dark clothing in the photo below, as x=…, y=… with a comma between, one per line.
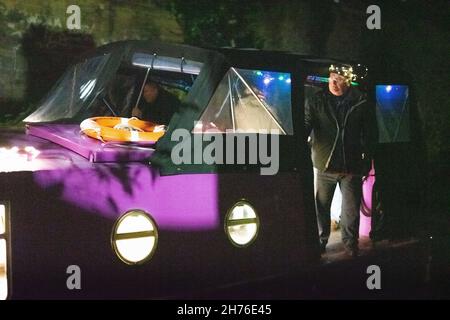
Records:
x=341, y=108
x=162, y=109
x=343, y=131
x=351, y=189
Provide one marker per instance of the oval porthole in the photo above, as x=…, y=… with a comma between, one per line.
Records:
x=242, y=224
x=135, y=237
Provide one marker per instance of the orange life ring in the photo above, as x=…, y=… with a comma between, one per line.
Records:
x=121, y=129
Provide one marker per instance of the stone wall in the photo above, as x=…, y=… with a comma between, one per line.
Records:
x=39, y=27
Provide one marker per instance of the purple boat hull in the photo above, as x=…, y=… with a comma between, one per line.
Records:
x=63, y=214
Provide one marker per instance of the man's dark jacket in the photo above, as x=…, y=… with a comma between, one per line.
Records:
x=357, y=132
x=162, y=109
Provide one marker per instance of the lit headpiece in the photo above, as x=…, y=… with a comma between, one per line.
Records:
x=343, y=70
x=348, y=72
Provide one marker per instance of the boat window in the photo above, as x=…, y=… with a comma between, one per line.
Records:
x=250, y=101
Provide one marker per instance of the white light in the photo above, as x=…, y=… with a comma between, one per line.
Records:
x=242, y=224
x=135, y=237
x=267, y=80
x=388, y=88
x=32, y=152
x=3, y=271
x=87, y=88
x=135, y=250
x=288, y=80
x=18, y=158
x=2, y=219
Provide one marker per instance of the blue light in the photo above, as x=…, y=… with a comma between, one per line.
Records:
x=288, y=80
x=389, y=95
x=259, y=73
x=267, y=80
x=325, y=80
x=281, y=78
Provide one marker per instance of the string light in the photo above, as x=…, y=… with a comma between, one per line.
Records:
x=346, y=72
x=268, y=77
x=349, y=73
x=267, y=80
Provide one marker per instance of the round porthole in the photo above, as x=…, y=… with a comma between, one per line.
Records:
x=242, y=224
x=135, y=237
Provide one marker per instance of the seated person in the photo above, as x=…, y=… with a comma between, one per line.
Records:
x=156, y=104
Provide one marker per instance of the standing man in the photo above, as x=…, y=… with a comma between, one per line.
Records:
x=341, y=123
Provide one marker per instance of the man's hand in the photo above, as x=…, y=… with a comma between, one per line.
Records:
x=136, y=112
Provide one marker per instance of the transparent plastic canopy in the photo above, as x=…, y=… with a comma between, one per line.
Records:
x=75, y=91
x=106, y=84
